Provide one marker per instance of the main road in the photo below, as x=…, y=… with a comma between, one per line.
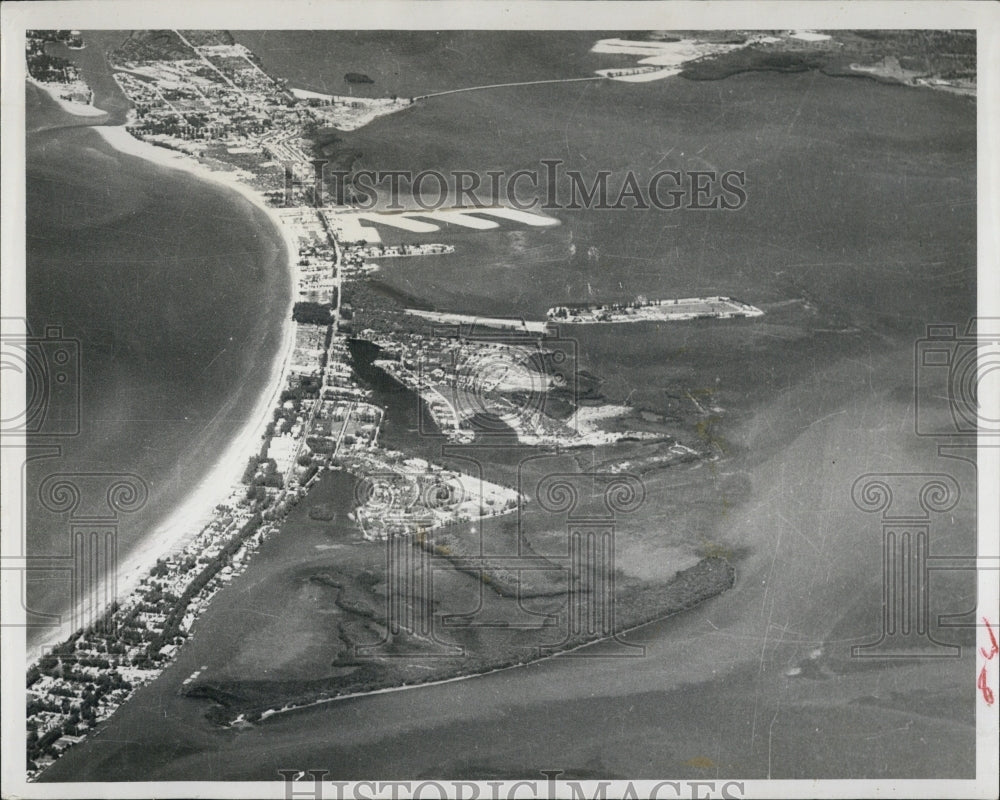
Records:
x=505, y=85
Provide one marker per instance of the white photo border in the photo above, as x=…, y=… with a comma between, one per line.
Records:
x=487, y=14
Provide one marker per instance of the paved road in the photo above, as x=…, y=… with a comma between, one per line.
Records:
x=503, y=85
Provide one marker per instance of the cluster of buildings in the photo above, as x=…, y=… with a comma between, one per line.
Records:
x=321, y=412
x=397, y=250
x=343, y=420
x=642, y=309
x=83, y=680
x=459, y=378
x=204, y=94
x=319, y=265
x=403, y=496
x=353, y=265
x=217, y=93
x=469, y=382
x=58, y=74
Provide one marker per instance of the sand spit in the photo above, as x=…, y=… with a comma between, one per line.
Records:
x=196, y=510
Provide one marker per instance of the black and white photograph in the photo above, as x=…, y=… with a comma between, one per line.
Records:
x=494, y=400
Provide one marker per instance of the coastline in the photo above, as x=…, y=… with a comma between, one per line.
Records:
x=69, y=106
x=196, y=510
x=506, y=667
x=740, y=504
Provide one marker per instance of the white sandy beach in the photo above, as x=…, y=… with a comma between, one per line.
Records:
x=196, y=510
x=69, y=106
x=423, y=220
x=669, y=56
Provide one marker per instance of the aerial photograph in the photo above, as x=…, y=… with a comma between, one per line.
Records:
x=496, y=413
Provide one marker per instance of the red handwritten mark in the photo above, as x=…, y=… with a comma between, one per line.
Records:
x=984, y=687
x=994, y=649
x=982, y=683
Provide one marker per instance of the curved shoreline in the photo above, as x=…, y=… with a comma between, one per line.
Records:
x=195, y=511
x=69, y=106
x=660, y=617
x=830, y=71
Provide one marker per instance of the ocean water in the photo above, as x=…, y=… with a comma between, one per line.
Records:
x=175, y=290
x=408, y=63
x=859, y=230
